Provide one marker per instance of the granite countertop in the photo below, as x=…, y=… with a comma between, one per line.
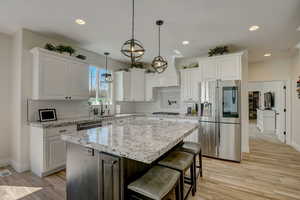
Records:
x=73, y=121
x=76, y=120
x=140, y=139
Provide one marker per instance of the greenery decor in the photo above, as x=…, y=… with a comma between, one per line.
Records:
x=50, y=47
x=69, y=50
x=139, y=65
x=62, y=48
x=82, y=57
x=220, y=50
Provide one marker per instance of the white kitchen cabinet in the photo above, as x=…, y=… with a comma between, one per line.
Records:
x=47, y=149
x=130, y=86
x=59, y=77
x=210, y=70
x=137, y=85
x=122, y=86
x=78, y=77
x=56, y=152
x=150, y=84
x=190, y=80
x=227, y=67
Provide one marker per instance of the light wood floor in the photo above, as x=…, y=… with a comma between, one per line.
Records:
x=270, y=172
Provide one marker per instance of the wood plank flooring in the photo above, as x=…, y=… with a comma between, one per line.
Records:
x=270, y=172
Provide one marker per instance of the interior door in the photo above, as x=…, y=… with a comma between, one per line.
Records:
x=208, y=138
x=229, y=101
x=280, y=108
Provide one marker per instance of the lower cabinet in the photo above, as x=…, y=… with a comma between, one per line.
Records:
x=109, y=179
x=92, y=175
x=47, y=149
x=56, y=152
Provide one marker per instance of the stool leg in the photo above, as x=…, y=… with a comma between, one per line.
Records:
x=192, y=178
x=182, y=185
x=195, y=173
x=177, y=191
x=200, y=164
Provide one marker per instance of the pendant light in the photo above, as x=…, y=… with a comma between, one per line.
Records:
x=107, y=76
x=133, y=48
x=159, y=63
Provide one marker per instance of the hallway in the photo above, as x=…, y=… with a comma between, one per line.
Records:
x=270, y=172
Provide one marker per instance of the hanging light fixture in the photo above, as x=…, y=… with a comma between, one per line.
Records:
x=107, y=76
x=133, y=48
x=159, y=63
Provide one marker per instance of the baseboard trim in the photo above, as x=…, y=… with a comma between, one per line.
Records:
x=4, y=162
x=20, y=167
x=296, y=146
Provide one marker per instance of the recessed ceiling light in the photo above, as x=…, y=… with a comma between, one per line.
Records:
x=185, y=42
x=267, y=54
x=254, y=28
x=80, y=21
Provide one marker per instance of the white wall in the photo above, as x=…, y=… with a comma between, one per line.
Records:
x=278, y=68
x=295, y=102
x=5, y=91
x=24, y=40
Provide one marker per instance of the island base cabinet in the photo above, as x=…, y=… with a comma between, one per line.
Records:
x=109, y=179
x=82, y=170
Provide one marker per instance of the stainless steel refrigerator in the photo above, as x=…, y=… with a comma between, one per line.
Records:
x=220, y=119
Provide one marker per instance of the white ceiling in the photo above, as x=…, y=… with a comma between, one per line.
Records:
x=205, y=23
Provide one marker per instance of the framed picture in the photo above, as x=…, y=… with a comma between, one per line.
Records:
x=47, y=115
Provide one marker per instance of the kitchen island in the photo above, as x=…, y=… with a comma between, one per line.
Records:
x=101, y=162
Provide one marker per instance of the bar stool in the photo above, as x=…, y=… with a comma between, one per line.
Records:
x=193, y=148
x=181, y=161
x=155, y=184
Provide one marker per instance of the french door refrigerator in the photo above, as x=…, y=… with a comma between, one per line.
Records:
x=220, y=119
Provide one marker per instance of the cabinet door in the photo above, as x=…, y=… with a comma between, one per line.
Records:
x=209, y=70
x=78, y=80
x=149, y=86
x=126, y=85
x=184, y=85
x=82, y=173
x=195, y=79
x=56, y=152
x=137, y=85
x=109, y=183
x=230, y=68
x=52, y=77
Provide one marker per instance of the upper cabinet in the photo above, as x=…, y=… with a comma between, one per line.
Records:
x=190, y=81
x=226, y=67
x=130, y=86
x=59, y=77
x=150, y=84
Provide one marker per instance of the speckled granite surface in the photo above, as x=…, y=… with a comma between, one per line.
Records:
x=139, y=138
x=72, y=121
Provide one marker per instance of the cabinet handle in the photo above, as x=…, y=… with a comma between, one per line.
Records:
x=63, y=131
x=114, y=162
x=66, y=97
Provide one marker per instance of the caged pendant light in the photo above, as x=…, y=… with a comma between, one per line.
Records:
x=159, y=63
x=133, y=48
x=107, y=76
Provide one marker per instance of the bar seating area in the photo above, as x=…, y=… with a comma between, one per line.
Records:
x=170, y=173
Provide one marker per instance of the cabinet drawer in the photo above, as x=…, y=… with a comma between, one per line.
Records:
x=60, y=131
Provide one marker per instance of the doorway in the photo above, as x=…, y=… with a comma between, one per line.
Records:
x=268, y=108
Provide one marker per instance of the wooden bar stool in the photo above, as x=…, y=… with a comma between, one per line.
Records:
x=155, y=184
x=193, y=148
x=181, y=161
